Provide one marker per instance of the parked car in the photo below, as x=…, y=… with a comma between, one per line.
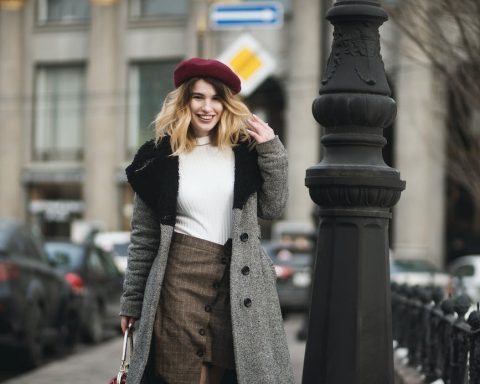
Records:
x=292, y=232
x=95, y=279
x=293, y=266
x=37, y=308
x=417, y=272
x=465, y=272
x=117, y=243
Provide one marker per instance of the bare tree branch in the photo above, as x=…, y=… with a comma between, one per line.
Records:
x=447, y=33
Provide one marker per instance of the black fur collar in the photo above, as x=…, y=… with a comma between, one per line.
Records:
x=153, y=175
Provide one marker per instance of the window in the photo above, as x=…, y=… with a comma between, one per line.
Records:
x=464, y=271
x=156, y=8
x=95, y=265
x=109, y=264
x=149, y=83
x=17, y=246
x=63, y=11
x=32, y=252
x=59, y=113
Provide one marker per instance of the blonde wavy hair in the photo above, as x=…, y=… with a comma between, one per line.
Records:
x=174, y=118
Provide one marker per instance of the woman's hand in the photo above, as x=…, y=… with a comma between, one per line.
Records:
x=259, y=130
x=125, y=321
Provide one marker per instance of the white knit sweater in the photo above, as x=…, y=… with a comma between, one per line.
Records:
x=205, y=193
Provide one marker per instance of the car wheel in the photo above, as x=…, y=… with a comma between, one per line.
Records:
x=94, y=325
x=33, y=347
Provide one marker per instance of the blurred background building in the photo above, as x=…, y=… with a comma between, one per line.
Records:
x=82, y=80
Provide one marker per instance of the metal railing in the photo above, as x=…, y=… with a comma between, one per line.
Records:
x=439, y=341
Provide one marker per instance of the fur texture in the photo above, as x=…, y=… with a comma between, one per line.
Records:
x=154, y=176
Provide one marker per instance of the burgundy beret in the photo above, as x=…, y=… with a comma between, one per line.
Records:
x=197, y=67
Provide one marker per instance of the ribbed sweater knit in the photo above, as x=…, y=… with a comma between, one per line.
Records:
x=205, y=193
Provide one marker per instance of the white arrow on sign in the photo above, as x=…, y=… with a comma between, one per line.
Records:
x=246, y=14
x=263, y=15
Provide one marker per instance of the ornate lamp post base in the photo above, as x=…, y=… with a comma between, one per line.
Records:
x=349, y=335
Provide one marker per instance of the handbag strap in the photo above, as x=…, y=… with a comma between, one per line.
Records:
x=127, y=344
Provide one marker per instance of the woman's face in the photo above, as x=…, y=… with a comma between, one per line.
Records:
x=206, y=108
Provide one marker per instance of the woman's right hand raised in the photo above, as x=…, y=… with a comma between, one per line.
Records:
x=125, y=321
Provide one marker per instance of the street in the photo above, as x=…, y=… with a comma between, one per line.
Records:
x=97, y=364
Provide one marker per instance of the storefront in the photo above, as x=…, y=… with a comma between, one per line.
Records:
x=54, y=199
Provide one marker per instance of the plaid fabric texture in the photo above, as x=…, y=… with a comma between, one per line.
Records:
x=193, y=324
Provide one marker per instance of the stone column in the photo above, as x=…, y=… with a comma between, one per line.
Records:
x=419, y=228
x=100, y=191
x=11, y=107
x=198, y=43
x=302, y=133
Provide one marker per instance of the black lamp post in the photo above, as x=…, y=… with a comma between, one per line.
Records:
x=349, y=335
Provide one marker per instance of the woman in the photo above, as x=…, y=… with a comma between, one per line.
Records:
x=197, y=277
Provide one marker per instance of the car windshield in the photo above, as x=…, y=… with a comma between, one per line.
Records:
x=412, y=266
x=65, y=255
x=290, y=255
x=5, y=233
x=120, y=249
x=3, y=241
x=287, y=253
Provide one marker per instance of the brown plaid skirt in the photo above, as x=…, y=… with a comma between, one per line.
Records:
x=193, y=324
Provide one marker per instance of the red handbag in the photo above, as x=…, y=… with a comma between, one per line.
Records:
x=121, y=377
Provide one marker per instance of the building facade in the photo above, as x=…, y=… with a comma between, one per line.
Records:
x=82, y=80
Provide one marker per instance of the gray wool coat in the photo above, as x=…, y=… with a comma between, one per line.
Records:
x=260, y=190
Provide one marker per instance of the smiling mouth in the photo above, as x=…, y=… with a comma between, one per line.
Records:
x=206, y=118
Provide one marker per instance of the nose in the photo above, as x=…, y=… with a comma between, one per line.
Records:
x=207, y=106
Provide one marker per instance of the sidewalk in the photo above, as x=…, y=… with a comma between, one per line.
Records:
x=96, y=364
x=100, y=363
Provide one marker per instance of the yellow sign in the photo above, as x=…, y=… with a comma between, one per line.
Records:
x=245, y=63
x=249, y=61
x=12, y=5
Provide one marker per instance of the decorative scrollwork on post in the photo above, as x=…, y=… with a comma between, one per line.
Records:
x=357, y=41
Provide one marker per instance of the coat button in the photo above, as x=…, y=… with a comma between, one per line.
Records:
x=244, y=237
x=208, y=308
x=247, y=302
x=201, y=331
x=216, y=285
x=245, y=271
x=199, y=353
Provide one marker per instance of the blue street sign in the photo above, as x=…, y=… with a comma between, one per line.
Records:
x=248, y=14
